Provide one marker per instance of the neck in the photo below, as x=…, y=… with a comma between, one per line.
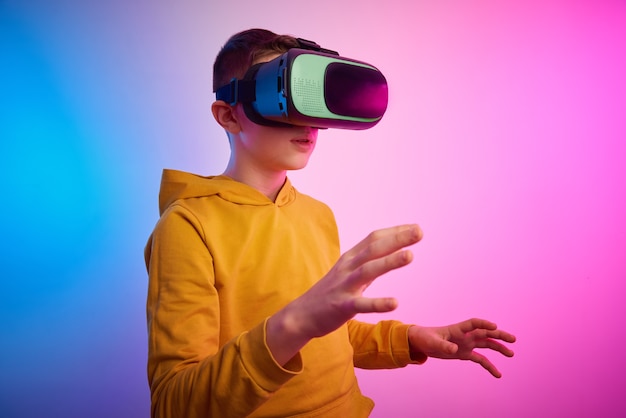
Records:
x=267, y=183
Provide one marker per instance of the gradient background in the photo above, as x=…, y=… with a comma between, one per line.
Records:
x=505, y=139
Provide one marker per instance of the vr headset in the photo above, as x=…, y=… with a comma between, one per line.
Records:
x=310, y=86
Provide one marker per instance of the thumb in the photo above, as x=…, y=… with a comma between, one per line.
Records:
x=448, y=347
x=368, y=305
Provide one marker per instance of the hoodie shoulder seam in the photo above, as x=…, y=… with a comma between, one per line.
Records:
x=178, y=203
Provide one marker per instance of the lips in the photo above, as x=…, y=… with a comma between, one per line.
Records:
x=303, y=144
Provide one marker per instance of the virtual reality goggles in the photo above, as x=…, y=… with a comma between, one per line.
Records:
x=310, y=86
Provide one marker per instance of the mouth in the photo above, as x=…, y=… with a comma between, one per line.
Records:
x=303, y=141
x=303, y=144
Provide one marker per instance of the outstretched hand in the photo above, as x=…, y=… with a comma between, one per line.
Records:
x=338, y=296
x=458, y=341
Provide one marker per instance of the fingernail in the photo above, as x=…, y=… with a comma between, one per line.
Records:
x=417, y=232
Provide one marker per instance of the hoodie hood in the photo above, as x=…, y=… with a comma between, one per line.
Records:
x=176, y=185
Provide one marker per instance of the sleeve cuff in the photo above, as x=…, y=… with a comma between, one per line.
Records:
x=260, y=363
x=401, y=348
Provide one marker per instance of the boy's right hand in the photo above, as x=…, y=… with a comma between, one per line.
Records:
x=338, y=296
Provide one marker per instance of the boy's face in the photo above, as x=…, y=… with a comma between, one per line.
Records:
x=273, y=148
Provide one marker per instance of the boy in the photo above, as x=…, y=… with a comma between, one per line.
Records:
x=250, y=305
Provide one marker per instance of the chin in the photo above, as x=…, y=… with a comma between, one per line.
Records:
x=297, y=166
x=297, y=163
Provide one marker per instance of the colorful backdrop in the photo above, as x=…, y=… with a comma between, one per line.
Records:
x=505, y=139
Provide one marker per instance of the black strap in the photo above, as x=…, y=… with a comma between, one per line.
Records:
x=314, y=46
x=243, y=91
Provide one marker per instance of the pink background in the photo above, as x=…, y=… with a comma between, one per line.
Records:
x=505, y=139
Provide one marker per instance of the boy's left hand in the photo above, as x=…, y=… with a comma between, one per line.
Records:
x=458, y=341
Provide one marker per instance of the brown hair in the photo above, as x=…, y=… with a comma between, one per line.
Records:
x=242, y=49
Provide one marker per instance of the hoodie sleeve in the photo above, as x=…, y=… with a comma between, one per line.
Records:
x=189, y=374
x=384, y=345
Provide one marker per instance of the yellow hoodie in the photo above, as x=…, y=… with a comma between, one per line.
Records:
x=221, y=260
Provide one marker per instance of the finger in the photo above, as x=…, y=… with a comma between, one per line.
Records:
x=495, y=346
x=384, y=242
x=370, y=305
x=486, y=364
x=502, y=335
x=365, y=274
x=476, y=323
